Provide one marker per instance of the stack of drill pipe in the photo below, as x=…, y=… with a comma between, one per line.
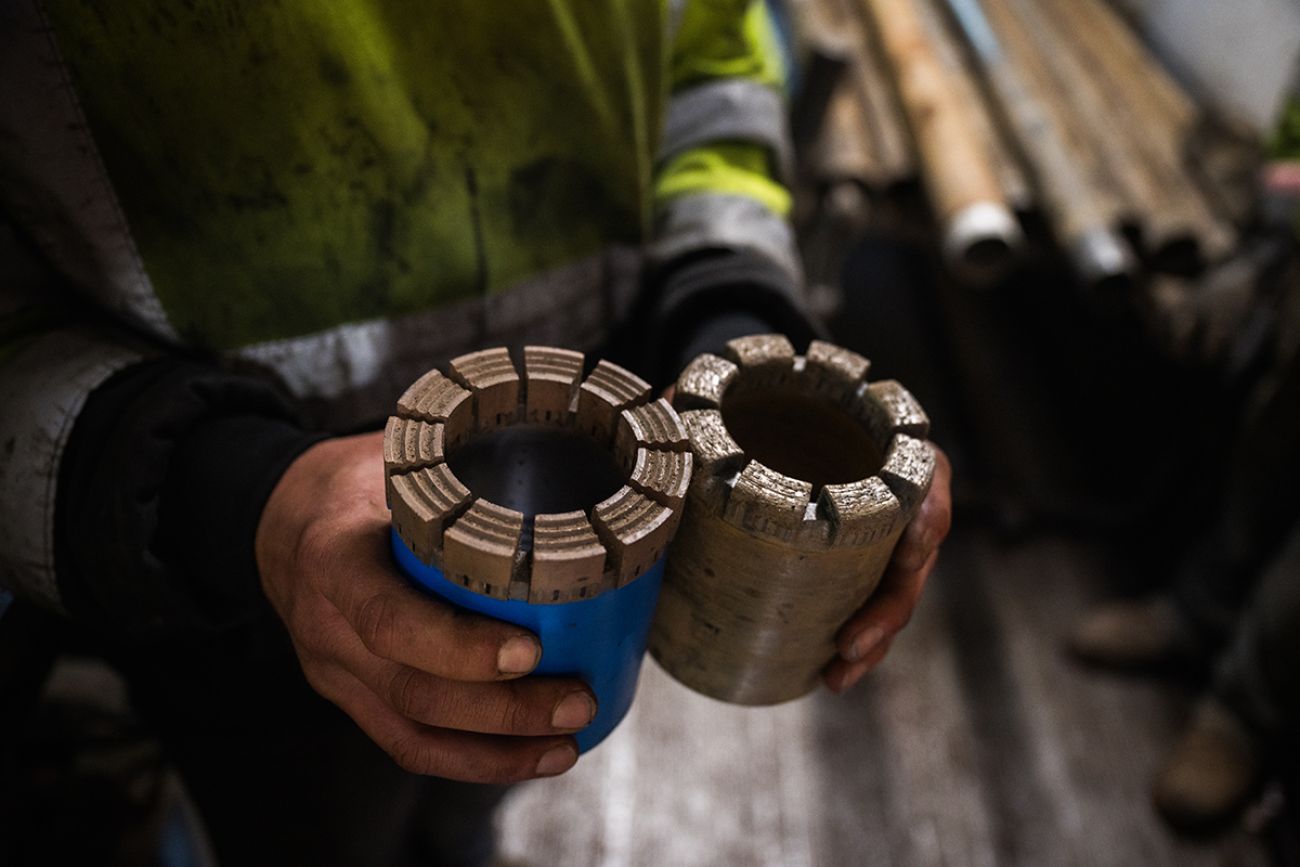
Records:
x=1060, y=90
x=1120, y=53
x=858, y=155
x=959, y=168
x=774, y=553
x=826, y=53
x=862, y=137
x=548, y=558
x=1136, y=127
x=1012, y=180
x=1084, y=211
x=1151, y=96
x=1175, y=123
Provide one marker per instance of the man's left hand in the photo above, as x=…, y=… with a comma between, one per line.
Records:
x=864, y=640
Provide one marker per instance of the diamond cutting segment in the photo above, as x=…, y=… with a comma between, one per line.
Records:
x=716, y=453
x=653, y=425
x=860, y=512
x=568, y=559
x=551, y=384
x=889, y=409
x=481, y=548
x=772, y=352
x=834, y=370
x=704, y=382
x=491, y=376
x=407, y=404
x=908, y=470
x=767, y=502
x=635, y=530
x=662, y=476
x=435, y=398
x=410, y=444
x=423, y=502
x=607, y=391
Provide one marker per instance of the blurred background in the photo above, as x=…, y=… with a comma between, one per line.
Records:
x=1124, y=431
x=1104, y=668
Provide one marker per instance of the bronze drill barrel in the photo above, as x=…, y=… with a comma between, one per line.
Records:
x=805, y=477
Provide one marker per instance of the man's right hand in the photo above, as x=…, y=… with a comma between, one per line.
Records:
x=438, y=688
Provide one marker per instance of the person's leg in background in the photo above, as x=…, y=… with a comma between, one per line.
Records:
x=1237, y=603
x=1259, y=497
x=1260, y=503
x=1242, y=728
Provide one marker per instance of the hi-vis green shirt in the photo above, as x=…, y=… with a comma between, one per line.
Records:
x=342, y=194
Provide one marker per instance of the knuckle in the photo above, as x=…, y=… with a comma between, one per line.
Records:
x=311, y=671
x=308, y=632
x=939, y=517
x=411, y=757
x=896, y=615
x=516, y=714
x=311, y=552
x=911, y=555
x=374, y=623
x=406, y=693
x=318, y=679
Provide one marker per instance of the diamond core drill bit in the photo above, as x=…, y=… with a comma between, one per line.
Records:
x=572, y=491
x=806, y=476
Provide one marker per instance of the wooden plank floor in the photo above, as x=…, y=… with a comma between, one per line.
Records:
x=976, y=744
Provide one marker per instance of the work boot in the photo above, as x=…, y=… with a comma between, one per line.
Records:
x=1213, y=770
x=1133, y=634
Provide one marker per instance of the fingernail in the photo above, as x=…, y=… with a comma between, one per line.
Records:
x=519, y=655
x=574, y=711
x=863, y=643
x=556, y=760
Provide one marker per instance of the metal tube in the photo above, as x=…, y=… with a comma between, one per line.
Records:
x=1083, y=220
x=807, y=475
x=979, y=230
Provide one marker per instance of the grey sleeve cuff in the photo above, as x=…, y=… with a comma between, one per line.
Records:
x=43, y=387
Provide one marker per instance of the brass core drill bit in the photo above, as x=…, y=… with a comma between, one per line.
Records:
x=551, y=557
x=805, y=477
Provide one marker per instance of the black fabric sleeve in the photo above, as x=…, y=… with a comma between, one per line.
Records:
x=160, y=490
x=699, y=302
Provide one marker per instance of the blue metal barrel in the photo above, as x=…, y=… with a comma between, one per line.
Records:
x=600, y=640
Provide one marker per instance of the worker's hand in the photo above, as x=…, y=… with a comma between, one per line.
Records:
x=439, y=689
x=865, y=639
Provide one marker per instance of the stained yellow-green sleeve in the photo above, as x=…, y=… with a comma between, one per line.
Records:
x=718, y=40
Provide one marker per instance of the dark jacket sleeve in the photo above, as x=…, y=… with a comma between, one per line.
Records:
x=159, y=494
x=699, y=302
